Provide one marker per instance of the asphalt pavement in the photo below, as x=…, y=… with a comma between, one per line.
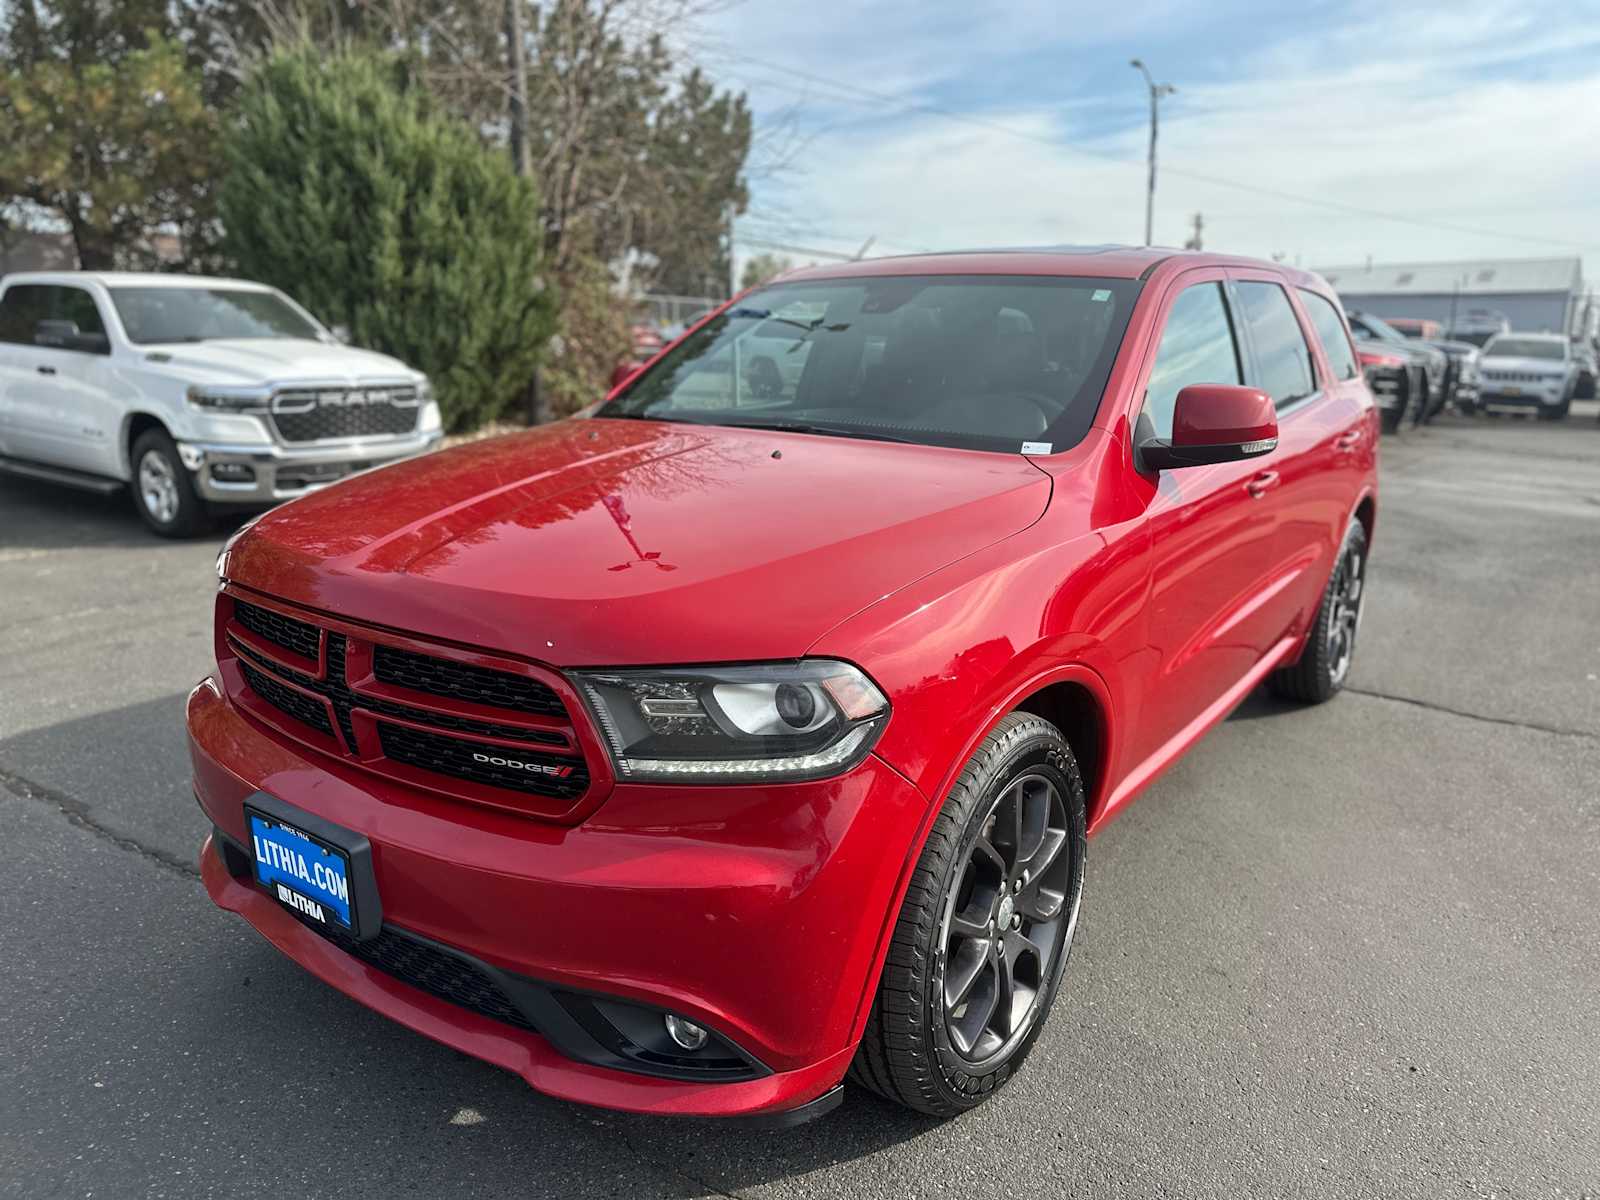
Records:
x=1344, y=951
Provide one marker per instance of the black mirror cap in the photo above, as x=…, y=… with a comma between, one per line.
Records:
x=64, y=335
x=1158, y=454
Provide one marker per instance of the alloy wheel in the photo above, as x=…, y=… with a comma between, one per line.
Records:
x=1004, y=921
x=158, y=487
x=1344, y=617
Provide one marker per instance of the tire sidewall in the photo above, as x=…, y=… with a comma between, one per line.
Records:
x=1044, y=754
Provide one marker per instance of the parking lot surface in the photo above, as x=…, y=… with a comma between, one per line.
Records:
x=1344, y=951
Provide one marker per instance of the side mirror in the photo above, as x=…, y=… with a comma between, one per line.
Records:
x=1214, y=423
x=64, y=335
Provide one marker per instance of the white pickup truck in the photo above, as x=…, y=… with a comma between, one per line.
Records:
x=194, y=392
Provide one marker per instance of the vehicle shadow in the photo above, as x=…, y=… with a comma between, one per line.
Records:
x=44, y=516
x=1262, y=703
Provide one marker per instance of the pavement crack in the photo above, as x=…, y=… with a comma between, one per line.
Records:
x=1558, y=730
x=77, y=812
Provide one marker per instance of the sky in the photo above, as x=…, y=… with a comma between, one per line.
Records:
x=1423, y=131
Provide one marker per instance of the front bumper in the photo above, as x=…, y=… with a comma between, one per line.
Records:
x=758, y=912
x=265, y=474
x=1491, y=395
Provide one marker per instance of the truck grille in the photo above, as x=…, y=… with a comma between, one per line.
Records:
x=1521, y=377
x=386, y=720
x=330, y=414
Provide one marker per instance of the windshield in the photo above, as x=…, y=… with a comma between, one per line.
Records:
x=184, y=314
x=982, y=362
x=1515, y=347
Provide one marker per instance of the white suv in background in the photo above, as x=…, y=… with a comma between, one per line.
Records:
x=1528, y=371
x=196, y=392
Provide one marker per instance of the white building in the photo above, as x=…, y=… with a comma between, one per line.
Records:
x=1535, y=294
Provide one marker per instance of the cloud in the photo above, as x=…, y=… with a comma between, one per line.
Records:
x=1475, y=120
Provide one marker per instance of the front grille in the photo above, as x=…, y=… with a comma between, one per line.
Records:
x=1521, y=377
x=335, y=413
x=432, y=970
x=484, y=762
x=286, y=700
x=296, y=636
x=543, y=763
x=460, y=681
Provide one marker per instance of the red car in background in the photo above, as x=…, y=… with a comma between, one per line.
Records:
x=690, y=756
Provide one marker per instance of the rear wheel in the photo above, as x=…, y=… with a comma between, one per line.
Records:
x=162, y=490
x=1330, y=647
x=985, y=929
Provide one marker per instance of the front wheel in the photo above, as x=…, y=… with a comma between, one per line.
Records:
x=1331, y=645
x=985, y=929
x=162, y=490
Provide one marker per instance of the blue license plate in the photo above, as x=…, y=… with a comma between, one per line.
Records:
x=305, y=874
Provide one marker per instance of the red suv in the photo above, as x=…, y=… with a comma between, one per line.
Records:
x=691, y=755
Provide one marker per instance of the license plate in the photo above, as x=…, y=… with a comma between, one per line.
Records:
x=1510, y=391
x=303, y=872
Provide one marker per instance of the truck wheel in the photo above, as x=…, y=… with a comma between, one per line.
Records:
x=986, y=926
x=1331, y=645
x=162, y=490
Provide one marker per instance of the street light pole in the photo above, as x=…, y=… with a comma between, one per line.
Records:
x=1157, y=90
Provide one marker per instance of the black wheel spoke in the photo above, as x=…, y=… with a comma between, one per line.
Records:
x=1003, y=1019
x=1040, y=903
x=966, y=964
x=1050, y=843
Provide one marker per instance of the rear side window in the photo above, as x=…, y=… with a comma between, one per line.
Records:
x=1282, y=358
x=21, y=310
x=1330, y=333
x=1197, y=346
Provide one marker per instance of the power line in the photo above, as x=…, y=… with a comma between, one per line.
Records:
x=905, y=105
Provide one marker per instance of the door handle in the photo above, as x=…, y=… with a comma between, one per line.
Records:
x=1262, y=484
x=45, y=370
x=1348, y=441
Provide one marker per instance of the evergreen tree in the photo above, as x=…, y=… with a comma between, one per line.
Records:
x=346, y=190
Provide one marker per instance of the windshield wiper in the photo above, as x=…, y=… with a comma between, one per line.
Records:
x=818, y=427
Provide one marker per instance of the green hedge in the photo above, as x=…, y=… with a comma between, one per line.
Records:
x=344, y=190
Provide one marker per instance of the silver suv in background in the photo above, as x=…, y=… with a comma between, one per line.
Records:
x=1523, y=371
x=194, y=392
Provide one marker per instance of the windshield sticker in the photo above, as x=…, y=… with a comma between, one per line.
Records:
x=1101, y=295
x=1036, y=447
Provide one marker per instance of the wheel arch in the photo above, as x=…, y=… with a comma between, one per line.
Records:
x=134, y=426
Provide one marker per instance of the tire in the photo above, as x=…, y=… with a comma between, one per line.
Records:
x=162, y=491
x=914, y=1051
x=1324, y=664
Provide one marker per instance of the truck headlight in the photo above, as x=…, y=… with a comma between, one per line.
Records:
x=806, y=719
x=223, y=398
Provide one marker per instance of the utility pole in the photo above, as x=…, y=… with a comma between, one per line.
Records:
x=517, y=69
x=1157, y=91
x=1195, y=241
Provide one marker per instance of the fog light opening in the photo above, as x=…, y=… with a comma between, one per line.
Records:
x=685, y=1034
x=233, y=472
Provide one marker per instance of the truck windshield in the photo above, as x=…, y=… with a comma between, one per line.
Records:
x=985, y=362
x=195, y=314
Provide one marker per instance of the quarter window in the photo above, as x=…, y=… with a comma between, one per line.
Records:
x=1197, y=346
x=1282, y=358
x=1330, y=333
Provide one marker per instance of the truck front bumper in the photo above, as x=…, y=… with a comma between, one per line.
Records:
x=262, y=474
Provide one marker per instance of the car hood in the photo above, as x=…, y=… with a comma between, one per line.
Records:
x=274, y=360
x=614, y=542
x=1532, y=366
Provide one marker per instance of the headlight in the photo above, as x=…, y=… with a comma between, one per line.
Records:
x=430, y=421
x=785, y=721
x=218, y=398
